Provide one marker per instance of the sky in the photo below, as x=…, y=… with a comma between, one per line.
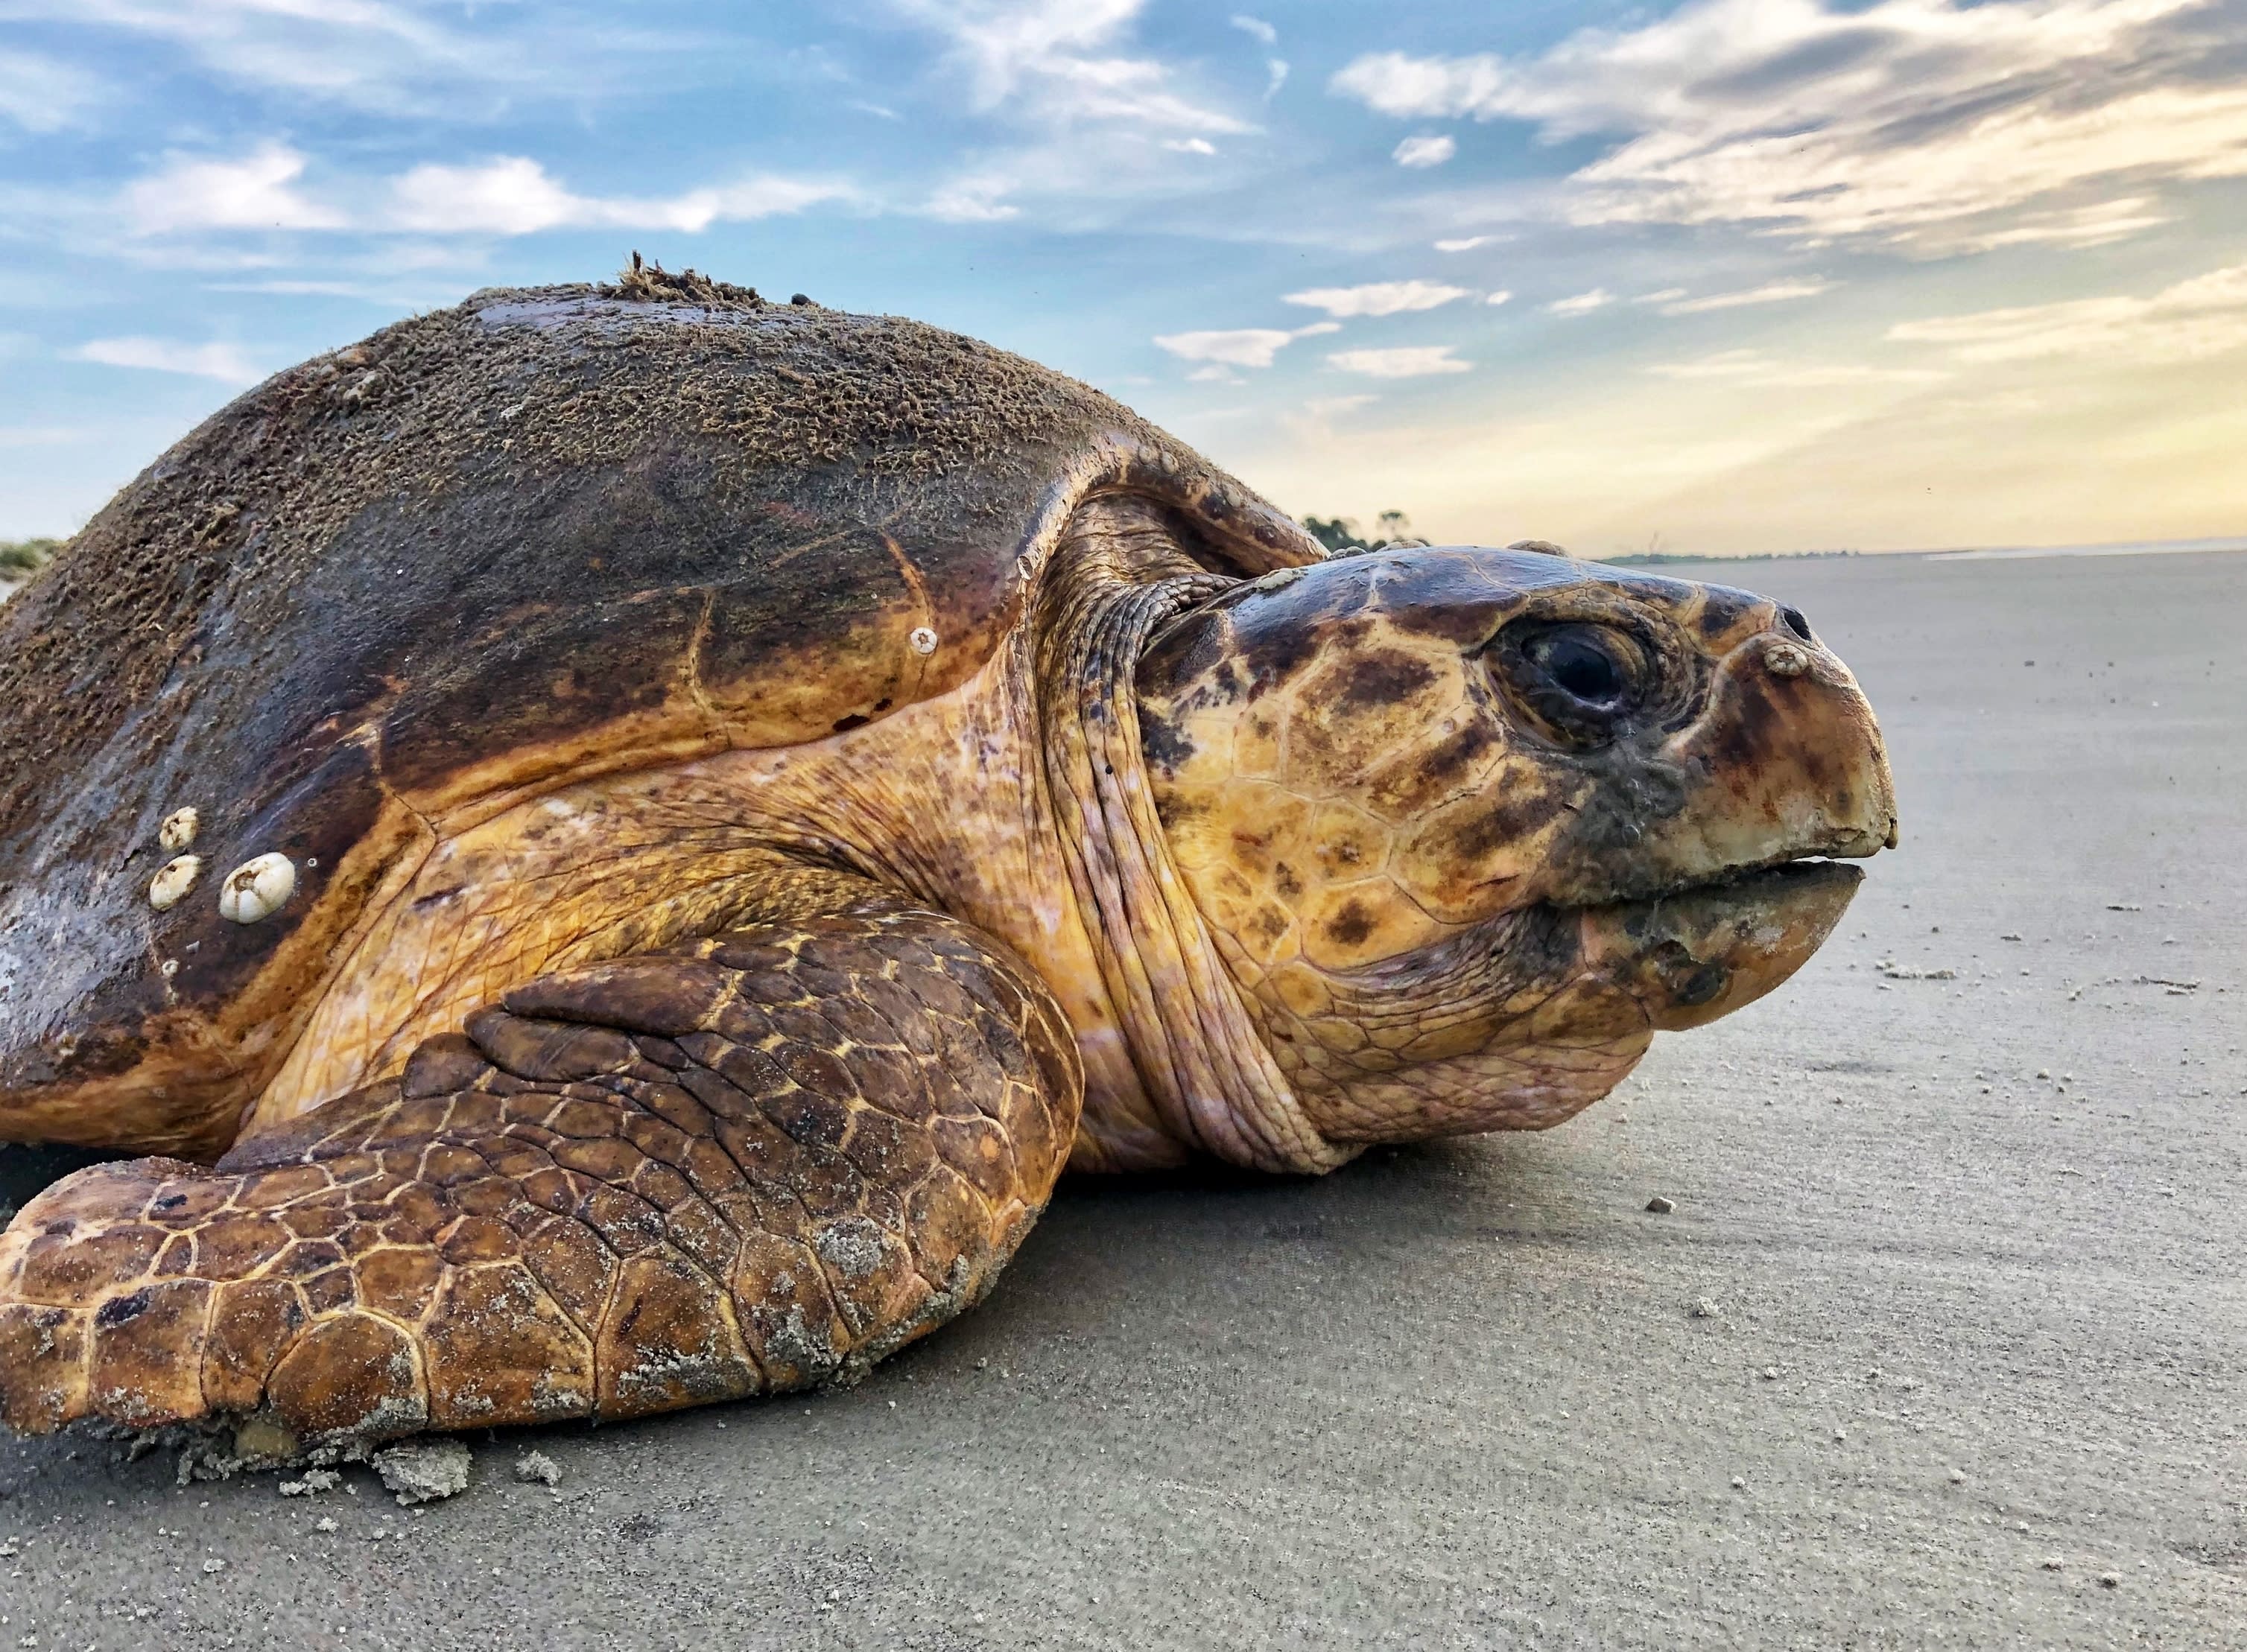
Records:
x=1730, y=276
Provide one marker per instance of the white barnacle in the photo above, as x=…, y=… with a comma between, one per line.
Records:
x=256, y=889
x=170, y=885
x=1785, y=660
x=179, y=828
x=922, y=640
x=1278, y=579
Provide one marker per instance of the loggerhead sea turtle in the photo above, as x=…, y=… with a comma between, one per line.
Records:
x=640, y=829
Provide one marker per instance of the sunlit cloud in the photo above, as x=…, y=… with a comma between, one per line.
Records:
x=1753, y=367
x=1378, y=297
x=1410, y=361
x=1583, y=304
x=1920, y=122
x=1771, y=293
x=2205, y=315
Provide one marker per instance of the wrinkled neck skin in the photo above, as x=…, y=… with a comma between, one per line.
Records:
x=1021, y=804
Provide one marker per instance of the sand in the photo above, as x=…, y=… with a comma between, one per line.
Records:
x=1930, y=1345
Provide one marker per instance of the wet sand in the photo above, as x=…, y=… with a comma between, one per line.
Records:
x=1945, y=1340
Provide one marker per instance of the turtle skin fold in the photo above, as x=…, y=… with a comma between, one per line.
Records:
x=756, y=1163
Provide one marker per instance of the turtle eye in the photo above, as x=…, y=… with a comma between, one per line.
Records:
x=1577, y=681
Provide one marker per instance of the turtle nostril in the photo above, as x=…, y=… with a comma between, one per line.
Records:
x=1795, y=622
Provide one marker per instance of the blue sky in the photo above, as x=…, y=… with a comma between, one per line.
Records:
x=1737, y=276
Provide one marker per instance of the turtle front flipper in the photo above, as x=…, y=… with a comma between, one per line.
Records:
x=757, y=1164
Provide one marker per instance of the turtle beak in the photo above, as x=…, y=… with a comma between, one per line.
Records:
x=1691, y=957
x=1793, y=762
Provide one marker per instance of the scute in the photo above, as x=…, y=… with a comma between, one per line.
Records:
x=540, y=536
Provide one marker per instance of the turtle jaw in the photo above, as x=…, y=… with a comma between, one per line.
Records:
x=1704, y=951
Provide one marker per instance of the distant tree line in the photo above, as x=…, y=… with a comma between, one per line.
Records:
x=1339, y=535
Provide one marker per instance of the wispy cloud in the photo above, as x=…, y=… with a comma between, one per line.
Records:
x=1378, y=297
x=1466, y=243
x=1583, y=304
x=1916, y=121
x=505, y=195
x=1239, y=346
x=258, y=192
x=1771, y=293
x=2205, y=315
x=1057, y=61
x=41, y=93
x=1753, y=367
x=1410, y=361
x=390, y=56
x=512, y=195
x=224, y=362
x=1424, y=150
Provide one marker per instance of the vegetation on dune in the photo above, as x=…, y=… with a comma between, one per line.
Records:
x=1339, y=534
x=21, y=558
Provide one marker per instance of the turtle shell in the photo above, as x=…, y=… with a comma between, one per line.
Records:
x=492, y=550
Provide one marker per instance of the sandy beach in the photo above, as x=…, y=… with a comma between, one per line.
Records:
x=1943, y=1342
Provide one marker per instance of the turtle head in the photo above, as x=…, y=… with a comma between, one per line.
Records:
x=1469, y=826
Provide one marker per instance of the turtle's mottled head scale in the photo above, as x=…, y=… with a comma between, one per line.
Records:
x=1470, y=825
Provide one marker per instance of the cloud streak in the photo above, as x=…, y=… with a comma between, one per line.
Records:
x=1772, y=292
x=1409, y=361
x=1921, y=123
x=504, y=196
x=2188, y=321
x=1239, y=346
x=224, y=362
x=1378, y=297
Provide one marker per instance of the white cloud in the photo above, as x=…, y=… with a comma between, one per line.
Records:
x=1752, y=367
x=1049, y=60
x=1583, y=304
x=224, y=362
x=1424, y=151
x=1660, y=297
x=972, y=199
x=1410, y=361
x=1929, y=123
x=394, y=57
x=1256, y=29
x=512, y=195
x=1377, y=297
x=258, y=192
x=40, y=93
x=1237, y=346
x=2088, y=226
x=2205, y=315
x=1191, y=146
x=1466, y=243
x=1771, y=293
x=1497, y=298
x=506, y=195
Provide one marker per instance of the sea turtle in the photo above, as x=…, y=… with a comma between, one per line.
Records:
x=642, y=828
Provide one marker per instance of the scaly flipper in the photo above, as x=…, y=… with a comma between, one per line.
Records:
x=755, y=1163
